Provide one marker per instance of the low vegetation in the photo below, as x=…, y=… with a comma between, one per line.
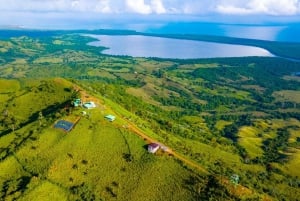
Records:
x=234, y=116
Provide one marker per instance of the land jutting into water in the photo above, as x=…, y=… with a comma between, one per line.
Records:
x=77, y=124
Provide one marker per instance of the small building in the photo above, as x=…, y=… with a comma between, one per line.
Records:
x=164, y=148
x=89, y=105
x=153, y=147
x=64, y=125
x=110, y=117
x=77, y=102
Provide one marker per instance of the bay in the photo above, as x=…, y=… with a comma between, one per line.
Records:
x=146, y=46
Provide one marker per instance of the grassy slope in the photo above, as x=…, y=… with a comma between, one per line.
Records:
x=206, y=147
x=93, y=158
x=250, y=141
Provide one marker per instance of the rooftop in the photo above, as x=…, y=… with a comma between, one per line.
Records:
x=110, y=117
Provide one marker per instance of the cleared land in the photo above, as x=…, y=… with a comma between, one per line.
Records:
x=234, y=116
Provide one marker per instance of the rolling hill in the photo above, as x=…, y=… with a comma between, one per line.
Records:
x=221, y=119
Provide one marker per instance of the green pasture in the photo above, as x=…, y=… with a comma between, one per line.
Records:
x=44, y=190
x=48, y=60
x=294, y=135
x=287, y=95
x=216, y=112
x=199, y=65
x=292, y=166
x=249, y=139
x=220, y=125
x=254, y=87
x=98, y=159
x=7, y=86
x=294, y=78
x=101, y=73
x=143, y=94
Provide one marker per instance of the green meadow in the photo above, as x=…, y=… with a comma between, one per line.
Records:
x=228, y=116
x=97, y=160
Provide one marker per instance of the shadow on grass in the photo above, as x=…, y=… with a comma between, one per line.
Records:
x=48, y=111
x=15, y=187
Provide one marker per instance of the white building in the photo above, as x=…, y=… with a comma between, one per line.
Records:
x=153, y=147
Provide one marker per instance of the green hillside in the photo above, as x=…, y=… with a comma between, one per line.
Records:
x=218, y=118
x=97, y=160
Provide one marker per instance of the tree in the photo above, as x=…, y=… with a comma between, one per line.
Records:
x=11, y=122
x=230, y=131
x=75, y=93
x=40, y=118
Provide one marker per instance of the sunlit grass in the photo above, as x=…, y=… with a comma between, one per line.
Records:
x=292, y=167
x=249, y=139
x=287, y=95
x=46, y=191
x=7, y=86
x=221, y=124
x=94, y=153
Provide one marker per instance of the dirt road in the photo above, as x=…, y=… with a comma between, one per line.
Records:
x=238, y=190
x=167, y=149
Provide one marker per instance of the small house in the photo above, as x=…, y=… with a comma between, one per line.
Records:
x=153, y=147
x=110, y=117
x=89, y=105
x=77, y=102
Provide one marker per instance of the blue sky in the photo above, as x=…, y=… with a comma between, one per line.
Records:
x=51, y=13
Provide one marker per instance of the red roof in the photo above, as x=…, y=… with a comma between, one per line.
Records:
x=153, y=145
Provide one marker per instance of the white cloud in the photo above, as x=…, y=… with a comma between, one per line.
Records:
x=194, y=7
x=229, y=9
x=269, y=7
x=158, y=7
x=104, y=7
x=138, y=6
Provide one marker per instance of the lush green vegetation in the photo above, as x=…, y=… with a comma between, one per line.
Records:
x=231, y=116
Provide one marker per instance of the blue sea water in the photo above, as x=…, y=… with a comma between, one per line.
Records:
x=168, y=48
x=288, y=32
x=271, y=32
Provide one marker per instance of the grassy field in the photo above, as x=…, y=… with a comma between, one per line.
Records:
x=221, y=124
x=286, y=95
x=233, y=116
x=249, y=139
x=7, y=86
x=82, y=159
x=96, y=160
x=293, y=165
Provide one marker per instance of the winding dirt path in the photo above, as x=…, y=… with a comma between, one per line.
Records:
x=132, y=127
x=238, y=190
x=168, y=150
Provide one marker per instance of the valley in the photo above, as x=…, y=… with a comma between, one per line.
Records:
x=219, y=117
